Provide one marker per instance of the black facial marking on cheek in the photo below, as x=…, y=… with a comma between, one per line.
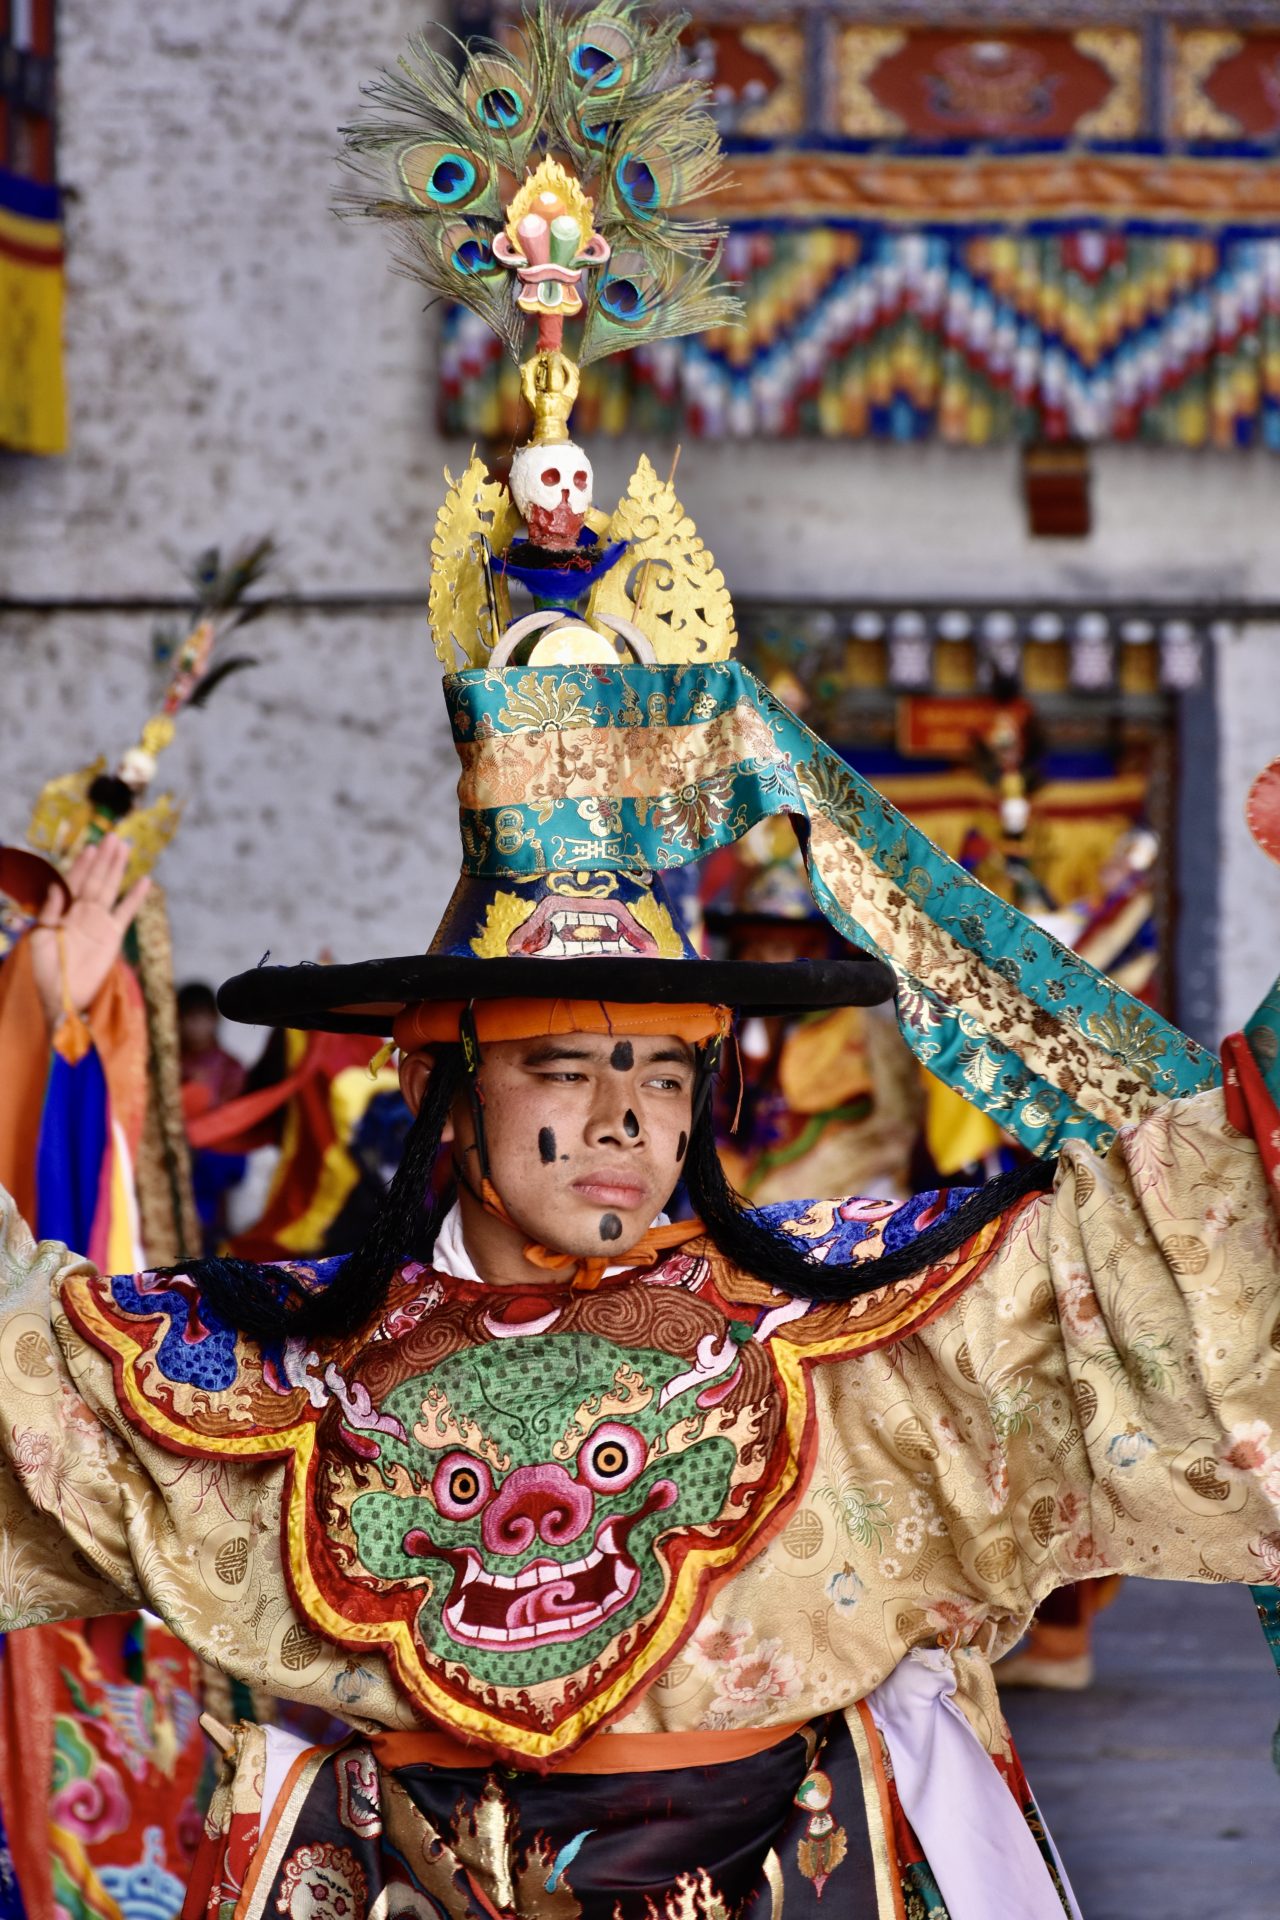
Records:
x=610, y=1227
x=630, y=1125
x=623, y=1056
x=546, y=1145
x=682, y=1146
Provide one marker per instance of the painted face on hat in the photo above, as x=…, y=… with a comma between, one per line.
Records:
x=573, y=925
x=576, y=913
x=586, y=1134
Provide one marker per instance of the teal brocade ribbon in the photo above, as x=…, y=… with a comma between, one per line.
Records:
x=714, y=793
x=1267, y=1601
x=1262, y=1031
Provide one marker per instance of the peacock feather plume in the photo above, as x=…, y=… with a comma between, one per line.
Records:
x=638, y=299
x=453, y=135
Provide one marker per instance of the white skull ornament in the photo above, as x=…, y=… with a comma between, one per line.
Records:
x=137, y=769
x=551, y=486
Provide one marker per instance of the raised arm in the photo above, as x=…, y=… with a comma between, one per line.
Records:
x=1114, y=1375
x=1101, y=1395
x=78, y=935
x=73, y=1046
x=1164, y=1265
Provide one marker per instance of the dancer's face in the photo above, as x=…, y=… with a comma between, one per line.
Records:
x=586, y=1134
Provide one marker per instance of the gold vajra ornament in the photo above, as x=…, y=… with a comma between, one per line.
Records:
x=549, y=383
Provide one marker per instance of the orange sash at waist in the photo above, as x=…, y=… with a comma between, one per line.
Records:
x=603, y=1753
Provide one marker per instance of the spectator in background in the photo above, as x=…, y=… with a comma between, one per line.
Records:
x=204, y=1061
x=210, y=1078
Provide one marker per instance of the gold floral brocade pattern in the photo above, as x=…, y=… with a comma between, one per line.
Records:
x=1105, y=1398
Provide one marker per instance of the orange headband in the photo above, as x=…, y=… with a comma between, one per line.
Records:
x=433, y=1021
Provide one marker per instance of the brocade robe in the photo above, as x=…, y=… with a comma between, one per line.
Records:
x=679, y=1505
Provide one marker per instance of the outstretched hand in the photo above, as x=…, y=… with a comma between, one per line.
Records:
x=87, y=918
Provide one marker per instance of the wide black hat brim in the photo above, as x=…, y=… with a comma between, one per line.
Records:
x=366, y=996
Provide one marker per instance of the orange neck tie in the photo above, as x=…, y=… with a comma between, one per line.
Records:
x=589, y=1270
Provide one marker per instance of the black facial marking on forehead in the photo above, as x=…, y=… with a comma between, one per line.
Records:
x=610, y=1227
x=623, y=1056
x=546, y=1145
x=682, y=1145
x=630, y=1125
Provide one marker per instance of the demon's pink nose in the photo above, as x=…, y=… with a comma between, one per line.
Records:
x=536, y=1503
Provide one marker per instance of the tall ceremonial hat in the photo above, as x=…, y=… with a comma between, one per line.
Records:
x=554, y=183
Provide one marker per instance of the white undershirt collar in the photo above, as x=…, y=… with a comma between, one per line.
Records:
x=451, y=1254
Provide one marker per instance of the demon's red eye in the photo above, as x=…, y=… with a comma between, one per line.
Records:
x=580, y=479
x=551, y=478
x=612, y=1457
x=461, y=1486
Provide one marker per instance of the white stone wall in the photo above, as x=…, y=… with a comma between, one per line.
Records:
x=240, y=360
x=933, y=521
x=318, y=811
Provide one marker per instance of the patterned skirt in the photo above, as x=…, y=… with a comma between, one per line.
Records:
x=352, y=1839
x=367, y=1831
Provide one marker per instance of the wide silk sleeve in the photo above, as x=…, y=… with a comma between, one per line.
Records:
x=1115, y=1374
x=1164, y=1263
x=70, y=1491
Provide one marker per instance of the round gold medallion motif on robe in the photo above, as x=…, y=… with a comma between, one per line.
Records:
x=26, y=1358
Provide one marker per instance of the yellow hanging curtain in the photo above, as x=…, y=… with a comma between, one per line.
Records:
x=33, y=412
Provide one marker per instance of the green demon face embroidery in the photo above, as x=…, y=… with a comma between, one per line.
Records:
x=519, y=1502
x=524, y=1512
x=535, y=1478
